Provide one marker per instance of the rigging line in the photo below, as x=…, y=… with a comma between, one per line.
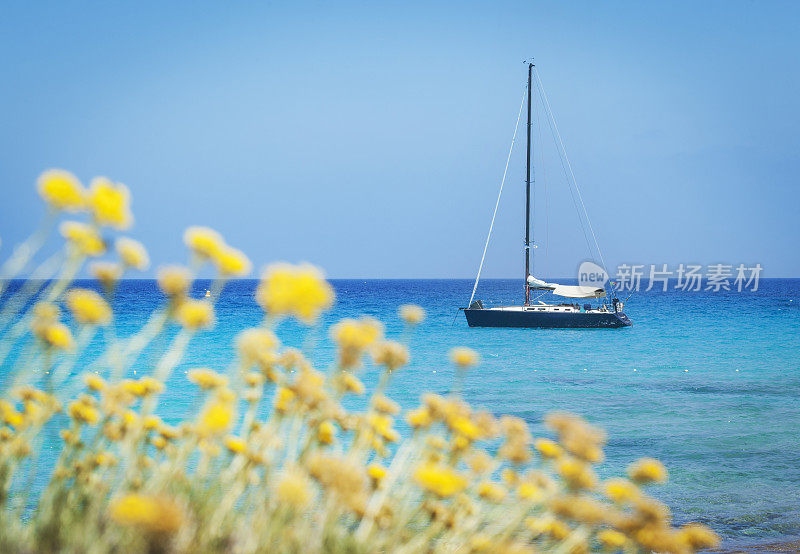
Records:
x=497, y=204
x=569, y=183
x=580, y=197
x=546, y=266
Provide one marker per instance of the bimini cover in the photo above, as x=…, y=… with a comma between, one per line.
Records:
x=569, y=291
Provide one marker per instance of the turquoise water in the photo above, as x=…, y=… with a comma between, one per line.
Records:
x=708, y=383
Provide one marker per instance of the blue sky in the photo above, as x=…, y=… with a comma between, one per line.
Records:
x=370, y=138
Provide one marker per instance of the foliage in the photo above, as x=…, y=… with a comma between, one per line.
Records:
x=311, y=476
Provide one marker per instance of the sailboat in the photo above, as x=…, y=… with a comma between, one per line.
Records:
x=538, y=313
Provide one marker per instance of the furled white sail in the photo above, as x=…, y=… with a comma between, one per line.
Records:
x=535, y=283
x=569, y=291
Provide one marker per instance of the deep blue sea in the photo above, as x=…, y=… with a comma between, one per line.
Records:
x=707, y=382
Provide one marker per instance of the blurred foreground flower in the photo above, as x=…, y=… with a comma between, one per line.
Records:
x=270, y=457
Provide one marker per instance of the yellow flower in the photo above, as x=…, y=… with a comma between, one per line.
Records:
x=412, y=314
x=151, y=422
x=529, y=491
x=352, y=383
x=621, y=490
x=309, y=386
x=83, y=238
x=326, y=432
x=611, y=539
x=578, y=508
x=698, y=537
x=382, y=425
x=299, y=291
x=493, y=492
x=294, y=488
x=464, y=357
x=149, y=513
x=390, y=354
x=439, y=479
x=44, y=315
x=107, y=273
x=57, y=335
x=151, y=385
x=207, y=378
x=353, y=336
x=419, y=418
x=169, y=432
x=45, y=311
x=131, y=419
x=548, y=449
x=105, y=459
x=385, y=405
x=283, y=399
x=254, y=343
x=235, y=445
x=479, y=461
x=132, y=387
x=357, y=333
x=216, y=418
x=110, y=203
x=10, y=415
x=195, y=314
x=133, y=253
x=479, y=542
x=88, y=307
x=377, y=473
x=203, y=241
x=31, y=394
x=253, y=378
x=647, y=470
x=462, y=426
x=174, y=281
x=61, y=190
x=83, y=412
x=577, y=474
x=232, y=262
x=292, y=358
x=94, y=382
x=557, y=529
x=342, y=475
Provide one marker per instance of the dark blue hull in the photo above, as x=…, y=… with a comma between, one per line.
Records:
x=546, y=320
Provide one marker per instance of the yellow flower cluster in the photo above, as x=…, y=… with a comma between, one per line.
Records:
x=149, y=513
x=174, y=281
x=195, y=314
x=109, y=203
x=88, y=307
x=61, y=190
x=133, y=253
x=390, y=354
x=299, y=291
x=83, y=238
x=353, y=338
x=412, y=314
x=207, y=244
x=464, y=357
x=272, y=456
x=46, y=327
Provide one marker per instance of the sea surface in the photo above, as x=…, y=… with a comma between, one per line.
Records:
x=707, y=382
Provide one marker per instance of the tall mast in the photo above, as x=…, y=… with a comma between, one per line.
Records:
x=528, y=197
